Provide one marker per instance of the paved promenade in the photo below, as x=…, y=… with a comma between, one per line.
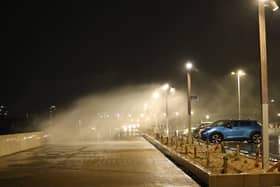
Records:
x=129, y=163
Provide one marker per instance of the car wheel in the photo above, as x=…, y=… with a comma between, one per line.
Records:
x=216, y=138
x=256, y=138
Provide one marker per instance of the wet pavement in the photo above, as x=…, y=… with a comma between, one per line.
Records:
x=132, y=162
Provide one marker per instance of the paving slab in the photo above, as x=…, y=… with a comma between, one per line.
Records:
x=133, y=162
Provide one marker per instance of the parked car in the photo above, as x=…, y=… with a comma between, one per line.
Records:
x=196, y=132
x=241, y=130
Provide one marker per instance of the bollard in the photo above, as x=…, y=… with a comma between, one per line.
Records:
x=194, y=151
x=237, y=150
x=223, y=150
x=225, y=165
x=207, y=158
x=186, y=149
x=257, y=155
x=187, y=140
x=207, y=144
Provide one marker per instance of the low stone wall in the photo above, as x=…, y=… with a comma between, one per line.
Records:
x=13, y=143
x=206, y=178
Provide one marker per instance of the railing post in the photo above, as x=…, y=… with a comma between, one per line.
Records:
x=225, y=165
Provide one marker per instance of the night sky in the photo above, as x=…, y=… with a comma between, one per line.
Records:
x=54, y=52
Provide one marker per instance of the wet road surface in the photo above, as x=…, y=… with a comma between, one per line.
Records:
x=113, y=163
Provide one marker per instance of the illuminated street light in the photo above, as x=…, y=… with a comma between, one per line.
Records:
x=207, y=117
x=165, y=86
x=238, y=74
x=274, y=5
x=264, y=81
x=172, y=90
x=156, y=95
x=168, y=90
x=189, y=67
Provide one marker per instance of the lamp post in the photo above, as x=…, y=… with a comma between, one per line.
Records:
x=189, y=67
x=166, y=87
x=264, y=81
x=238, y=74
x=156, y=96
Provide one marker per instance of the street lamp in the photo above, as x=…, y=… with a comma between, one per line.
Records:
x=189, y=67
x=168, y=90
x=156, y=95
x=264, y=81
x=238, y=74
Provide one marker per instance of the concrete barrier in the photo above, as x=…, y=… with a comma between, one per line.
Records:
x=13, y=143
x=206, y=178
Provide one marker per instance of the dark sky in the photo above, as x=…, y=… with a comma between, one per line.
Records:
x=56, y=51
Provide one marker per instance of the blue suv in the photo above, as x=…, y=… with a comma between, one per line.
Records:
x=218, y=131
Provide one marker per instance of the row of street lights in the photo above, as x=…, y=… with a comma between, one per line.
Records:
x=264, y=82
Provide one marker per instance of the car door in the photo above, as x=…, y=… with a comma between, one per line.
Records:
x=233, y=130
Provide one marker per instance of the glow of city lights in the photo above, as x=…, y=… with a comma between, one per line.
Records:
x=272, y=100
